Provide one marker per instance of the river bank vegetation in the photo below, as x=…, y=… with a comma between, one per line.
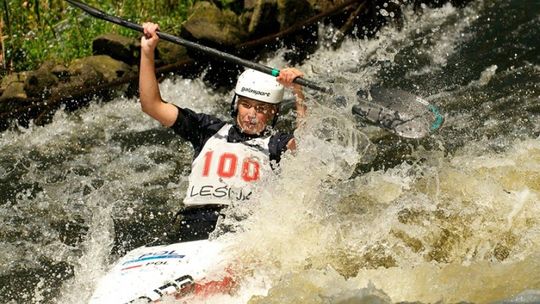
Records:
x=35, y=31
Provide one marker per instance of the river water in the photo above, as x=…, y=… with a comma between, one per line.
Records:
x=357, y=215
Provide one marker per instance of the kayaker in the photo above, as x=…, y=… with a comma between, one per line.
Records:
x=228, y=158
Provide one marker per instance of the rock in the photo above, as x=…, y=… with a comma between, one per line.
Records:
x=10, y=78
x=89, y=75
x=118, y=47
x=39, y=82
x=12, y=86
x=168, y=53
x=291, y=11
x=264, y=19
x=208, y=22
x=14, y=90
x=250, y=4
x=324, y=5
x=106, y=68
x=61, y=72
x=81, y=76
x=304, y=41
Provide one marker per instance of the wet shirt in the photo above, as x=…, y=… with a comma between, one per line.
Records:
x=197, y=128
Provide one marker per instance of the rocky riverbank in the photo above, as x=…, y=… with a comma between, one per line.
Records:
x=249, y=31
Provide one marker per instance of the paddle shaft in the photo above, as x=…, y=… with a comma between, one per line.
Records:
x=195, y=46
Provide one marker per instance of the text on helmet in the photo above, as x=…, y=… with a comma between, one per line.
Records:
x=256, y=92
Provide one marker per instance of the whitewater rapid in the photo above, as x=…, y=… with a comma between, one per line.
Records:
x=356, y=214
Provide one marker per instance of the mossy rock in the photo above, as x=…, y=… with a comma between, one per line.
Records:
x=109, y=68
x=38, y=83
x=7, y=80
x=117, y=47
x=208, y=22
x=264, y=18
x=168, y=52
x=291, y=11
x=324, y=5
x=12, y=88
x=250, y=4
x=82, y=76
x=13, y=91
x=61, y=72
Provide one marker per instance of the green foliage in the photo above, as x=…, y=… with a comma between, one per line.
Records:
x=39, y=30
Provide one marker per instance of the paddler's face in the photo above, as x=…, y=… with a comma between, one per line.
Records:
x=253, y=115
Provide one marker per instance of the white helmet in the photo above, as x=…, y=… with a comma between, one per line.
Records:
x=259, y=86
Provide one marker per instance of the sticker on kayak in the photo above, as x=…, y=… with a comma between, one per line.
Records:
x=182, y=286
x=156, y=256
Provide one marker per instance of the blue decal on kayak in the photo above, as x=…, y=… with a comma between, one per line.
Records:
x=155, y=257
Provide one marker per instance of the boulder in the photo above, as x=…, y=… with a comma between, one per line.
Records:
x=250, y=4
x=14, y=90
x=104, y=69
x=264, y=19
x=324, y=5
x=168, y=53
x=291, y=11
x=207, y=22
x=81, y=76
x=61, y=72
x=118, y=47
x=38, y=83
x=12, y=87
x=8, y=79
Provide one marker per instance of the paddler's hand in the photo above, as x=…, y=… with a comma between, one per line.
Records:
x=287, y=76
x=150, y=38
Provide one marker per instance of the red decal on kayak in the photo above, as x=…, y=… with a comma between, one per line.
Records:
x=131, y=267
x=213, y=287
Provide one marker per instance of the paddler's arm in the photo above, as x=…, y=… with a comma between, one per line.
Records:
x=286, y=78
x=151, y=101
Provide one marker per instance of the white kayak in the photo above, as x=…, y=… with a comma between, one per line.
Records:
x=146, y=274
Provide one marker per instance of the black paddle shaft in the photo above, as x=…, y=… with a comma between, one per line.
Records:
x=192, y=45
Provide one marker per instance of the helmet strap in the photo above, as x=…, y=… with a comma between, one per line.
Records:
x=234, y=106
x=274, y=120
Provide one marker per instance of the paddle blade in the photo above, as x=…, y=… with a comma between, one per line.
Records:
x=398, y=111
